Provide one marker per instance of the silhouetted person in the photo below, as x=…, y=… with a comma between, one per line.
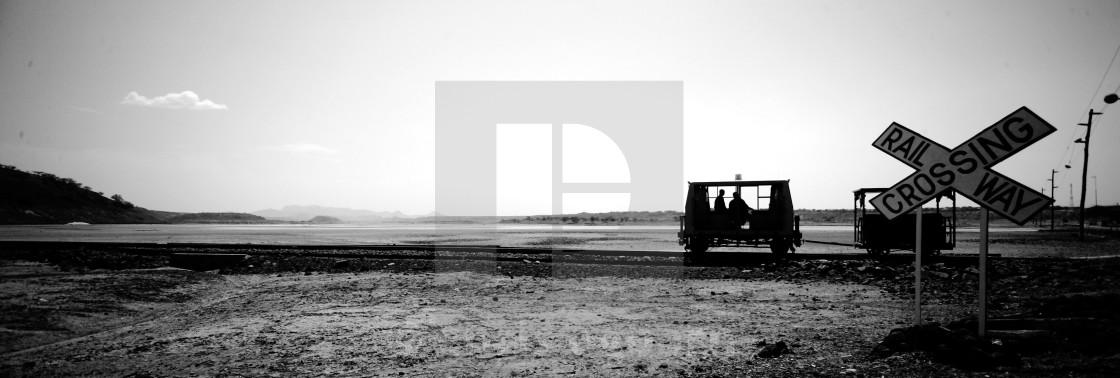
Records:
x=721, y=207
x=740, y=211
x=720, y=219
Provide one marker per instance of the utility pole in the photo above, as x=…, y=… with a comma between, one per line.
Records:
x=1096, y=200
x=1038, y=220
x=1085, y=170
x=1053, y=197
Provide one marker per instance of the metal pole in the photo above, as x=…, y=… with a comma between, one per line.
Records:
x=855, y=218
x=1038, y=220
x=983, y=318
x=1085, y=172
x=1053, y=197
x=1096, y=199
x=918, y=266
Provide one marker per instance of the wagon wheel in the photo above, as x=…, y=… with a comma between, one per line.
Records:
x=779, y=246
x=697, y=245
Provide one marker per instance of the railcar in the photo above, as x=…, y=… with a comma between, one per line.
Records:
x=768, y=220
x=879, y=236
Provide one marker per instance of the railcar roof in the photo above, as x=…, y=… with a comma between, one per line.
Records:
x=871, y=190
x=947, y=193
x=739, y=183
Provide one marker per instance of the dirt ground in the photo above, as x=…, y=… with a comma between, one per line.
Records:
x=88, y=313
x=434, y=324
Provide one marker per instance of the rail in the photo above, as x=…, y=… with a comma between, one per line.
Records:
x=456, y=252
x=853, y=245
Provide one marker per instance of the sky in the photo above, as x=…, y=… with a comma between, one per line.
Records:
x=248, y=105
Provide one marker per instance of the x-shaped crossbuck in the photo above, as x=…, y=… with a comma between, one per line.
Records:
x=966, y=168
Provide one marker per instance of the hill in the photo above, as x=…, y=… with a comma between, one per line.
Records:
x=163, y=216
x=43, y=198
x=217, y=218
x=324, y=219
x=612, y=217
x=295, y=213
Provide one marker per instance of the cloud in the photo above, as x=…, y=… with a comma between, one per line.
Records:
x=182, y=100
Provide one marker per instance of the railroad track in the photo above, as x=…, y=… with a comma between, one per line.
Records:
x=464, y=253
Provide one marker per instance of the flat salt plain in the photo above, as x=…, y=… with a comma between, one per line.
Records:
x=1005, y=241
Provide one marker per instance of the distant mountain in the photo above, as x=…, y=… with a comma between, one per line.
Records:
x=302, y=213
x=217, y=218
x=324, y=219
x=463, y=219
x=43, y=198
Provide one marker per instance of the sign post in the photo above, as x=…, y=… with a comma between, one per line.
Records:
x=983, y=315
x=918, y=266
x=966, y=169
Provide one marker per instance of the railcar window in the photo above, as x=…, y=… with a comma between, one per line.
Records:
x=762, y=197
x=713, y=193
x=758, y=197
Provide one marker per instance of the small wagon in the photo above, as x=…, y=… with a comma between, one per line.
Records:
x=767, y=220
x=879, y=236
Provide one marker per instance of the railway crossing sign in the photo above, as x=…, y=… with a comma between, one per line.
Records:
x=966, y=168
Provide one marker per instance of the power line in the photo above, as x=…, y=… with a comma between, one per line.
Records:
x=1073, y=134
x=1106, y=71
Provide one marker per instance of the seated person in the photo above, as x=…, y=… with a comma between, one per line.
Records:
x=740, y=212
x=721, y=218
x=720, y=206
